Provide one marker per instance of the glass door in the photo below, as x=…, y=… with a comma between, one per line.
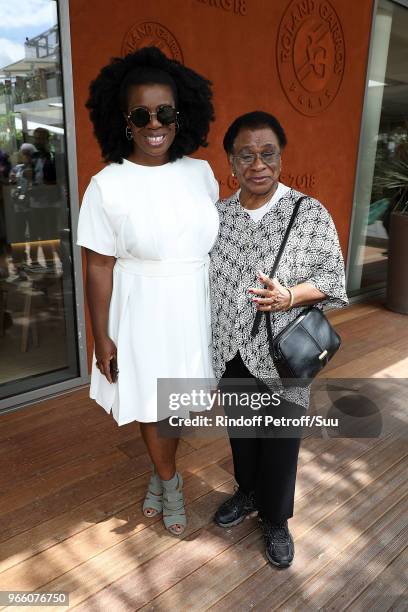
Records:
x=38, y=336
x=384, y=143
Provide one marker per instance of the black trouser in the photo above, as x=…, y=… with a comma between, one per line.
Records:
x=264, y=464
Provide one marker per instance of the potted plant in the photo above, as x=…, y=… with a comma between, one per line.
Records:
x=393, y=177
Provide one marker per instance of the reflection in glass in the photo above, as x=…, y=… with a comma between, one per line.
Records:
x=37, y=324
x=384, y=140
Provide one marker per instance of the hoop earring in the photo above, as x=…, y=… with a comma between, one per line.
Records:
x=177, y=125
x=128, y=132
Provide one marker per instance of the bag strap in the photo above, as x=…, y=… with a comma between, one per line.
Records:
x=257, y=321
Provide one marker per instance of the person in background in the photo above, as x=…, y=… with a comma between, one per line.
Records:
x=45, y=203
x=5, y=167
x=22, y=177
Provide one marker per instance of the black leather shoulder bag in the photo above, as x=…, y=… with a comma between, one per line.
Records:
x=306, y=344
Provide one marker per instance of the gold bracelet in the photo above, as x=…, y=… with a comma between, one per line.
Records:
x=292, y=297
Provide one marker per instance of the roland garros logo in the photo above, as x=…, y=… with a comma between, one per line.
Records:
x=151, y=34
x=310, y=55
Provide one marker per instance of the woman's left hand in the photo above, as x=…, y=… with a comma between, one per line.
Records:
x=274, y=298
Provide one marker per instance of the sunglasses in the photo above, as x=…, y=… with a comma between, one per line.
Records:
x=165, y=114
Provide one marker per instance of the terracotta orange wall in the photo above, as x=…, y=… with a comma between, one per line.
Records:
x=254, y=52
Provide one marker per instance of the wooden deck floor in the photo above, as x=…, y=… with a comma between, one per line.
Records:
x=72, y=483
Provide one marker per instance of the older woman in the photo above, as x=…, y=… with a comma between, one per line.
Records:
x=311, y=271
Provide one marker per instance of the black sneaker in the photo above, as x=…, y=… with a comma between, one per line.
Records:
x=280, y=548
x=235, y=509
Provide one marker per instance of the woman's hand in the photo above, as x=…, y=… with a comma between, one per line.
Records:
x=99, y=282
x=105, y=350
x=274, y=298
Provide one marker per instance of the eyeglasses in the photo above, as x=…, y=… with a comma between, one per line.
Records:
x=165, y=114
x=268, y=157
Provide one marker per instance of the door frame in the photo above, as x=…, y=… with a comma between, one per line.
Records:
x=52, y=389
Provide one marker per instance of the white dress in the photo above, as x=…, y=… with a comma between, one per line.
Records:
x=160, y=222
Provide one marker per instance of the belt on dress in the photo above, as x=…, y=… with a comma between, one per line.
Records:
x=171, y=267
x=161, y=267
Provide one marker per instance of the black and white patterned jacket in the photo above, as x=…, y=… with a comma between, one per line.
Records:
x=243, y=247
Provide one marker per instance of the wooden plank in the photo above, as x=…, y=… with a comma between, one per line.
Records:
x=102, y=569
x=135, y=581
x=367, y=365
x=43, y=458
x=135, y=447
x=365, y=317
x=363, y=334
x=372, y=327
x=138, y=586
x=305, y=457
x=49, y=431
x=54, y=414
x=95, y=499
x=101, y=537
x=340, y=530
x=43, y=455
x=68, y=465
x=349, y=500
x=351, y=571
x=398, y=369
x=400, y=345
x=333, y=463
x=198, y=443
x=47, y=485
x=357, y=311
x=51, y=439
x=88, y=577
x=353, y=349
x=228, y=465
x=33, y=411
x=49, y=506
x=356, y=474
x=401, y=604
x=387, y=588
x=208, y=584
x=310, y=450
x=127, y=498
x=137, y=492
x=317, y=539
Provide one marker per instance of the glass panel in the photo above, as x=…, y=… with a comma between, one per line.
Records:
x=384, y=140
x=37, y=316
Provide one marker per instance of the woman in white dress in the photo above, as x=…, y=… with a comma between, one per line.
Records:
x=148, y=222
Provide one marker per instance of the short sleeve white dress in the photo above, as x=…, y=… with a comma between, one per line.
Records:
x=160, y=222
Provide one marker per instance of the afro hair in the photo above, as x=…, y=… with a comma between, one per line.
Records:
x=107, y=102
